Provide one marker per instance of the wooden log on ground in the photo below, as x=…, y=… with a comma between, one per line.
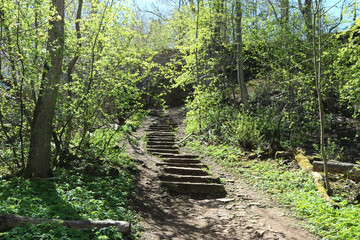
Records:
x=350, y=169
x=318, y=179
x=9, y=221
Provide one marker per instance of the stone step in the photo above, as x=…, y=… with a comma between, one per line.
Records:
x=172, y=125
x=163, y=143
x=182, y=178
x=181, y=160
x=161, y=129
x=163, y=139
x=164, y=125
x=184, y=171
x=166, y=122
x=161, y=147
x=162, y=151
x=182, y=156
x=199, y=188
x=187, y=165
x=160, y=133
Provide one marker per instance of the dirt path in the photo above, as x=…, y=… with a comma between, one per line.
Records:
x=243, y=214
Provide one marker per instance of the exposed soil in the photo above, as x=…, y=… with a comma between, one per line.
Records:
x=245, y=213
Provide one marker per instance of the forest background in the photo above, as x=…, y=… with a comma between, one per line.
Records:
x=78, y=76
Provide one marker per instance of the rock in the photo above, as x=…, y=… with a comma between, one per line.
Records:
x=254, y=204
x=284, y=154
x=259, y=233
x=252, y=156
x=225, y=200
x=357, y=199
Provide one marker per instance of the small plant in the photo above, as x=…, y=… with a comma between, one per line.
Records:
x=332, y=150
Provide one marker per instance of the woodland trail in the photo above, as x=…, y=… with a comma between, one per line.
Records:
x=243, y=214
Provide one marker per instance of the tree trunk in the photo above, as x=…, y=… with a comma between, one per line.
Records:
x=317, y=51
x=240, y=57
x=38, y=164
x=306, y=12
x=285, y=13
x=8, y=222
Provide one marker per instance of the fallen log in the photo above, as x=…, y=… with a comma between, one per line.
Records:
x=318, y=179
x=350, y=169
x=10, y=221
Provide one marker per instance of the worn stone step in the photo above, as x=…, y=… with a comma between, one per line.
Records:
x=182, y=160
x=182, y=156
x=160, y=133
x=161, y=136
x=154, y=147
x=185, y=171
x=162, y=129
x=184, y=178
x=162, y=151
x=172, y=125
x=198, y=188
x=163, y=146
x=161, y=126
x=162, y=139
x=163, y=143
x=165, y=125
x=188, y=165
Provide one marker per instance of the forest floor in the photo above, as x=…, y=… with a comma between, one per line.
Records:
x=245, y=213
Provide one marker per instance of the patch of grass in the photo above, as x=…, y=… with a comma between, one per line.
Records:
x=71, y=195
x=97, y=185
x=293, y=188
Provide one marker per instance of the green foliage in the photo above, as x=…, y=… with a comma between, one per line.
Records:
x=294, y=189
x=104, y=86
x=219, y=122
x=72, y=195
x=332, y=150
x=347, y=68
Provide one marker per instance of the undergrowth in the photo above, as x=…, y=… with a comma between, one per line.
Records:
x=70, y=196
x=293, y=188
x=96, y=185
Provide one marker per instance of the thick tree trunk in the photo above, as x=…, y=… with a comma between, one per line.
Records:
x=240, y=57
x=8, y=222
x=38, y=164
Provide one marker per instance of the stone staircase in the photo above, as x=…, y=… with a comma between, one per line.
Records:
x=180, y=173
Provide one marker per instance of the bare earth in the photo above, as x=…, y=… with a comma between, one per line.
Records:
x=245, y=213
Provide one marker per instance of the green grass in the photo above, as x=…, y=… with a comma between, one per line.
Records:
x=71, y=195
x=293, y=188
x=87, y=190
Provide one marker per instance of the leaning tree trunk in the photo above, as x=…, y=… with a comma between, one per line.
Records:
x=38, y=164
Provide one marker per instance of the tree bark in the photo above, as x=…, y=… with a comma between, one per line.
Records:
x=8, y=222
x=240, y=57
x=38, y=164
x=338, y=167
x=317, y=60
x=306, y=12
